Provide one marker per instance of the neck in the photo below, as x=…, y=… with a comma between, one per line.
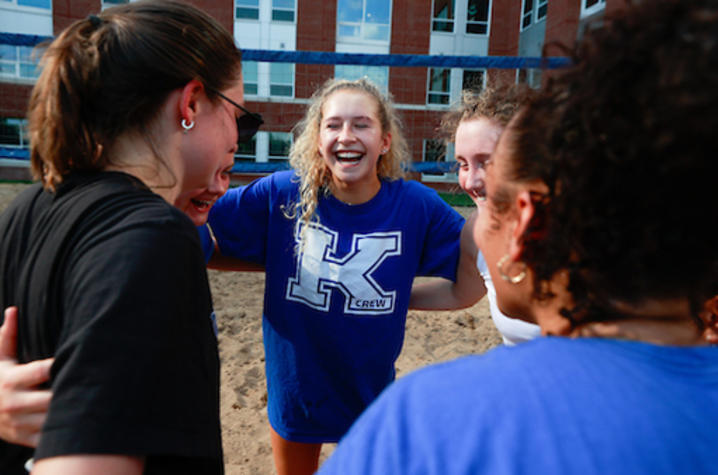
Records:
x=131, y=155
x=355, y=195
x=661, y=322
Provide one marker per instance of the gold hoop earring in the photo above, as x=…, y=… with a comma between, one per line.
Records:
x=504, y=275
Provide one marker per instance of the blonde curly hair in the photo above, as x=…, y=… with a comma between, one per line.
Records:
x=304, y=157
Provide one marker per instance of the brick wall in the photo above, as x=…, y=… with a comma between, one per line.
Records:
x=410, y=34
x=316, y=31
x=504, y=37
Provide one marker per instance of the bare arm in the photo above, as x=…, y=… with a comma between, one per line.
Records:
x=443, y=294
x=90, y=465
x=23, y=408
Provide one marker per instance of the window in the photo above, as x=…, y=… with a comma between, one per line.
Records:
x=44, y=4
x=541, y=9
x=379, y=75
x=109, y=3
x=18, y=61
x=477, y=17
x=443, y=16
x=439, y=87
x=434, y=151
x=527, y=14
x=364, y=20
x=246, y=151
x=283, y=10
x=279, y=145
x=473, y=79
x=13, y=132
x=281, y=79
x=531, y=77
x=250, y=76
x=589, y=7
x=247, y=10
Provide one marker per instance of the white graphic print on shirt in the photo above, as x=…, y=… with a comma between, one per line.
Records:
x=319, y=269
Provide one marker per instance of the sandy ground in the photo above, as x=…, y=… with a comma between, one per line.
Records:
x=430, y=337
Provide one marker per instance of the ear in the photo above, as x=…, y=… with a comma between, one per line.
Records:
x=526, y=211
x=710, y=321
x=189, y=100
x=386, y=142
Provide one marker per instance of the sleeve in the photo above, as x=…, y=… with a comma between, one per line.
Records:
x=240, y=220
x=136, y=369
x=206, y=241
x=440, y=254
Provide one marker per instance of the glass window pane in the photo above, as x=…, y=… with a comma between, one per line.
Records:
x=349, y=10
x=279, y=144
x=348, y=31
x=248, y=148
x=439, y=25
x=28, y=70
x=542, y=11
x=376, y=32
x=281, y=73
x=11, y=131
x=249, y=71
x=590, y=3
x=250, y=89
x=379, y=75
x=378, y=11
x=438, y=98
x=528, y=6
x=476, y=28
x=26, y=53
x=35, y=3
x=282, y=15
x=289, y=4
x=248, y=13
x=115, y=2
x=473, y=80
x=7, y=69
x=444, y=9
x=439, y=79
x=478, y=10
x=434, y=151
x=248, y=3
x=280, y=90
x=8, y=52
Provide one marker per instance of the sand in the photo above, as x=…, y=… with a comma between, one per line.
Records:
x=431, y=337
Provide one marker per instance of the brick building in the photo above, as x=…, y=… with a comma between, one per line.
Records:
x=279, y=91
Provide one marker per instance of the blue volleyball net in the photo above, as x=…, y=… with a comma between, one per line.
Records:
x=16, y=49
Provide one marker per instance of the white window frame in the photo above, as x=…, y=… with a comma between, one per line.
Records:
x=272, y=83
x=18, y=63
x=283, y=9
x=237, y=6
x=429, y=92
x=588, y=11
x=537, y=7
x=451, y=21
x=474, y=22
x=527, y=15
x=363, y=26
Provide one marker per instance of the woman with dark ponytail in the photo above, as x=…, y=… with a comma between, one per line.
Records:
x=133, y=121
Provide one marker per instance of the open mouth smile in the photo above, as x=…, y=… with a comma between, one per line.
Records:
x=349, y=156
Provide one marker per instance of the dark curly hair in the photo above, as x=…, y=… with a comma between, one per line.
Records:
x=624, y=140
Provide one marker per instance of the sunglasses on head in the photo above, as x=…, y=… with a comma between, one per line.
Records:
x=247, y=123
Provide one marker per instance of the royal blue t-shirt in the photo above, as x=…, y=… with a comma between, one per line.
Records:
x=335, y=311
x=549, y=406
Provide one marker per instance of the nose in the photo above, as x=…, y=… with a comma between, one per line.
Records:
x=475, y=179
x=346, y=134
x=220, y=184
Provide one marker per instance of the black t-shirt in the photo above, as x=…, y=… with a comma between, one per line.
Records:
x=110, y=280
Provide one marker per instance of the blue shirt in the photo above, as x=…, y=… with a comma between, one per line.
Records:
x=335, y=310
x=548, y=406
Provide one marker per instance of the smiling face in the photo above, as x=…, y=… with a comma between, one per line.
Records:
x=208, y=155
x=350, y=142
x=475, y=141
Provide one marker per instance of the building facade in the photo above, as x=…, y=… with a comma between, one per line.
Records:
x=280, y=91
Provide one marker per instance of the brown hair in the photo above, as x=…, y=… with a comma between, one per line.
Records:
x=109, y=74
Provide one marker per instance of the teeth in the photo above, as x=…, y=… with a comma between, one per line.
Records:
x=202, y=203
x=349, y=155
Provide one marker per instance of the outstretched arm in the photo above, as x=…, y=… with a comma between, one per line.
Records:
x=443, y=294
x=23, y=408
